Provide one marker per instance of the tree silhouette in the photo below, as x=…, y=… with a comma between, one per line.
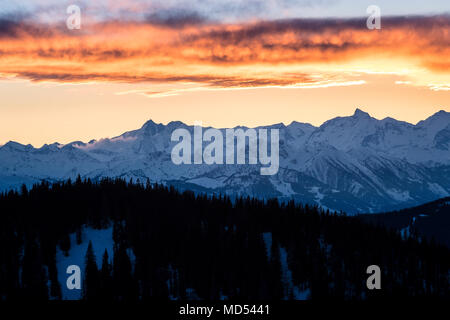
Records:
x=169, y=244
x=91, y=283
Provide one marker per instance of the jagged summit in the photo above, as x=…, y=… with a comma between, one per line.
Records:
x=440, y=118
x=297, y=123
x=175, y=124
x=17, y=146
x=11, y=143
x=442, y=112
x=149, y=123
x=360, y=114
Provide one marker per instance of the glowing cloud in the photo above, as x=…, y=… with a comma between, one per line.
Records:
x=300, y=53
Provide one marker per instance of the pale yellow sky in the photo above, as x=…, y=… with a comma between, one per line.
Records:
x=39, y=113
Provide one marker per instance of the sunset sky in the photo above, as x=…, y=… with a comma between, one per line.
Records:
x=224, y=63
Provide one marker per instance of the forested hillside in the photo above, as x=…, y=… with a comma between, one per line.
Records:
x=430, y=220
x=175, y=245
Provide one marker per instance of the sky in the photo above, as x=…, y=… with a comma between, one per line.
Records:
x=224, y=63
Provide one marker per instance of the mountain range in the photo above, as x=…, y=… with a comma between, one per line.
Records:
x=357, y=164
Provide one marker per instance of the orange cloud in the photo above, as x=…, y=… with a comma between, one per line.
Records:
x=266, y=53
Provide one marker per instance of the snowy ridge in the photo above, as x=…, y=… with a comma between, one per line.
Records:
x=355, y=163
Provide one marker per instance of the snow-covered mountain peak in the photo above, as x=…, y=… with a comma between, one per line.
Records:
x=440, y=114
x=275, y=126
x=12, y=145
x=360, y=114
x=345, y=133
x=176, y=124
x=50, y=147
x=355, y=163
x=358, y=119
x=149, y=123
x=150, y=128
x=296, y=124
x=440, y=119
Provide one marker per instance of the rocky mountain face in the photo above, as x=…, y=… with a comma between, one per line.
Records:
x=355, y=164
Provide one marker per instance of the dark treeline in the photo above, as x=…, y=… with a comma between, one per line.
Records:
x=431, y=220
x=189, y=246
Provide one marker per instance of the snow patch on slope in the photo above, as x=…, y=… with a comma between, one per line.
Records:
x=286, y=276
x=101, y=240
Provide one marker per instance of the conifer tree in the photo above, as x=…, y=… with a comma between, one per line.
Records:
x=91, y=283
x=106, y=285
